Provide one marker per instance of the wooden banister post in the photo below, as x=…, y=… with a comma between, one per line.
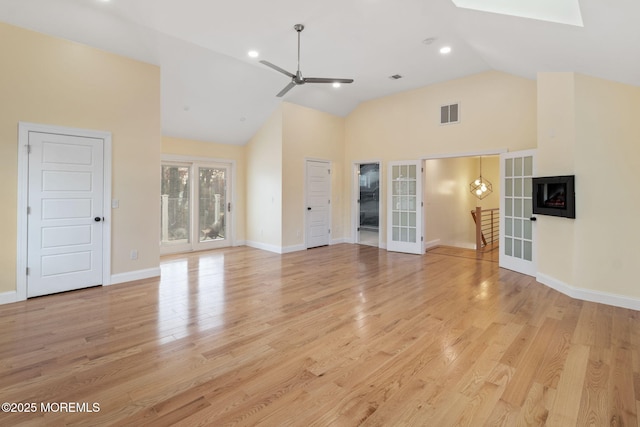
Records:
x=478, y=228
x=493, y=239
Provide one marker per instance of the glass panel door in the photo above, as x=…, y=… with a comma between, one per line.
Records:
x=404, y=219
x=517, y=240
x=195, y=206
x=368, y=204
x=213, y=206
x=175, y=206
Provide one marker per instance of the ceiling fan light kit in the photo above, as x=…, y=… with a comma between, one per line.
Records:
x=297, y=78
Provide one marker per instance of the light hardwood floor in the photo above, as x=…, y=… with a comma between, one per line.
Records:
x=335, y=336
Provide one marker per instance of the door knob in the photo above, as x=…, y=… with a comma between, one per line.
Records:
x=309, y=208
x=98, y=219
x=533, y=218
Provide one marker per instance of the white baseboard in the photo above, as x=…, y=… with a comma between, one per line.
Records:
x=431, y=244
x=130, y=276
x=240, y=243
x=264, y=246
x=287, y=249
x=294, y=248
x=8, y=297
x=588, y=294
x=339, y=241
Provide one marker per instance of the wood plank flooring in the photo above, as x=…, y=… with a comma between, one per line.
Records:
x=344, y=335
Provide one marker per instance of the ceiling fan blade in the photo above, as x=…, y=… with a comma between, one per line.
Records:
x=326, y=80
x=275, y=67
x=286, y=89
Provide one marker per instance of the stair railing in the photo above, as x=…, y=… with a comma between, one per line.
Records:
x=487, y=228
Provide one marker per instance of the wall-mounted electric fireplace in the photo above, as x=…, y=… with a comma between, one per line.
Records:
x=554, y=195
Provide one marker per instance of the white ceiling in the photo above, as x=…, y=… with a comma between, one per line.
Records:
x=212, y=91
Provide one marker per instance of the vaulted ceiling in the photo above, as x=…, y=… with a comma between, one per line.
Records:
x=213, y=91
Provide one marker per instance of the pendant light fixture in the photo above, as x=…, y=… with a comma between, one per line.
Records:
x=481, y=187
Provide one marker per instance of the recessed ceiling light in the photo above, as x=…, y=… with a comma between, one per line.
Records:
x=253, y=54
x=445, y=49
x=336, y=84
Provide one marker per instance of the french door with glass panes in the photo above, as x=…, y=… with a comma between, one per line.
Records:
x=404, y=213
x=517, y=230
x=195, y=205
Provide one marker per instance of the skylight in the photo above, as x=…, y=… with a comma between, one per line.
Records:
x=558, y=11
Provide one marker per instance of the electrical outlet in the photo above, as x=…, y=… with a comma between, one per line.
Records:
x=134, y=254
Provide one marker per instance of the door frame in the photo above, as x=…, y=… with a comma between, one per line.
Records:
x=355, y=193
x=193, y=162
x=495, y=152
x=24, y=128
x=306, y=197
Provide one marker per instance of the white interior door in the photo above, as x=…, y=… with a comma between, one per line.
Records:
x=65, y=213
x=517, y=231
x=318, y=220
x=404, y=213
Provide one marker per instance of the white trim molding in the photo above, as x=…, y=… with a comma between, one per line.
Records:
x=8, y=297
x=431, y=244
x=589, y=294
x=264, y=247
x=131, y=276
x=339, y=241
x=292, y=248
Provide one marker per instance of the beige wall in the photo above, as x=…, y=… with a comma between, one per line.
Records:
x=556, y=156
x=607, y=152
x=448, y=199
x=264, y=185
x=212, y=150
x=56, y=82
x=591, y=128
x=498, y=111
x=309, y=133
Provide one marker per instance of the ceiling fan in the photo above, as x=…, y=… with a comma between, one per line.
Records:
x=297, y=79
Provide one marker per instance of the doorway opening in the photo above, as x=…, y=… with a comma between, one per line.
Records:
x=450, y=202
x=368, y=204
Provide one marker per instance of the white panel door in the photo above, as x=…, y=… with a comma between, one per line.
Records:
x=517, y=232
x=318, y=221
x=404, y=213
x=65, y=221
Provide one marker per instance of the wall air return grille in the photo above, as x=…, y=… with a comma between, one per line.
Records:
x=450, y=114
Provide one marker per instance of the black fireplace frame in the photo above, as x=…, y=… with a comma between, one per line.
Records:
x=542, y=205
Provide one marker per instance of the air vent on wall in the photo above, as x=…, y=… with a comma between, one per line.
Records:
x=450, y=114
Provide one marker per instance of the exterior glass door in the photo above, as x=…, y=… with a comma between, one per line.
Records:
x=212, y=203
x=195, y=206
x=175, y=207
